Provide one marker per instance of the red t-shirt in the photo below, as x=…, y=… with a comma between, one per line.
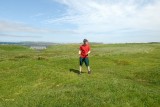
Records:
x=84, y=50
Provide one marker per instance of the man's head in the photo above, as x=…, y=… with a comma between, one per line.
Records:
x=85, y=41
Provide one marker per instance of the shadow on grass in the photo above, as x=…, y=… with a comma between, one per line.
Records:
x=74, y=70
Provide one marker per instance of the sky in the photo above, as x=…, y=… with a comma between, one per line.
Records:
x=70, y=21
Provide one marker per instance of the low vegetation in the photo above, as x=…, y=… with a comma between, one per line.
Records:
x=123, y=75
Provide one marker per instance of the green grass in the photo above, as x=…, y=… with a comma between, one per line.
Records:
x=123, y=75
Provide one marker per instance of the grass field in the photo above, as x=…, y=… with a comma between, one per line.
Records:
x=123, y=75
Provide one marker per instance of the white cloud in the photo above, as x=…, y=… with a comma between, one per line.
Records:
x=17, y=31
x=98, y=16
x=17, y=27
x=8, y=26
x=18, y=36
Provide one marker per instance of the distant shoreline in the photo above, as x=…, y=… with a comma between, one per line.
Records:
x=52, y=43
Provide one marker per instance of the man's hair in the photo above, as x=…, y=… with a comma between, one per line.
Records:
x=85, y=40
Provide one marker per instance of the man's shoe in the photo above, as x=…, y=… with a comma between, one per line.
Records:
x=89, y=72
x=79, y=73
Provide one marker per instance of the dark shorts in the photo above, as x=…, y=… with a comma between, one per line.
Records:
x=85, y=60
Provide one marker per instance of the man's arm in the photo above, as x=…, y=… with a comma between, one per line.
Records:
x=79, y=52
x=89, y=52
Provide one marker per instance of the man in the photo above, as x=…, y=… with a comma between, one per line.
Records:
x=83, y=52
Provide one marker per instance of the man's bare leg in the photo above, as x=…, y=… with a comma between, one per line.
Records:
x=89, y=70
x=80, y=69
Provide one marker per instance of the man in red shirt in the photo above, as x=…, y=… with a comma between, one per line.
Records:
x=83, y=52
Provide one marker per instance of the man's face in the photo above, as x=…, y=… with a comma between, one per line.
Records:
x=86, y=43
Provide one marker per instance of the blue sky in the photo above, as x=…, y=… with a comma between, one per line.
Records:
x=68, y=21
